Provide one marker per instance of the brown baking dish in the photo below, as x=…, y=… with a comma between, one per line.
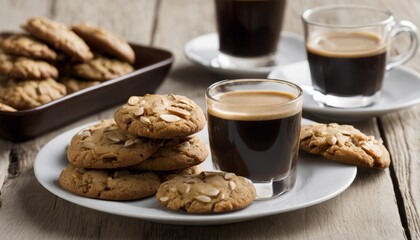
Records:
x=151, y=67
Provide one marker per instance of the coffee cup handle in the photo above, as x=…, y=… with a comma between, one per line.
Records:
x=400, y=27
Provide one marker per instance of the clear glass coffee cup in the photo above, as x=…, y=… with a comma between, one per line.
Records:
x=254, y=127
x=349, y=52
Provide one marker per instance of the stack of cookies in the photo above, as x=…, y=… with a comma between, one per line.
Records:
x=151, y=140
x=53, y=60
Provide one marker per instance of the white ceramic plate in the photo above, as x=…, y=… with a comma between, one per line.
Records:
x=204, y=49
x=401, y=89
x=317, y=180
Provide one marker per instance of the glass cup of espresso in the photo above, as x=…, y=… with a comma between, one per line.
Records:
x=249, y=32
x=348, y=49
x=254, y=127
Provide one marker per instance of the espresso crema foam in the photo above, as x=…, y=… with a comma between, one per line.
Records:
x=254, y=105
x=346, y=44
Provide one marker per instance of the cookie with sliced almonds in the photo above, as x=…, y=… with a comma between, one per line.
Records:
x=344, y=143
x=207, y=192
x=109, y=184
x=160, y=116
x=104, y=145
x=176, y=154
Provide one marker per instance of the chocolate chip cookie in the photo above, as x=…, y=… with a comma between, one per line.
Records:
x=207, y=192
x=74, y=85
x=26, y=94
x=344, y=143
x=101, y=69
x=25, y=68
x=24, y=45
x=59, y=36
x=176, y=154
x=104, y=145
x=160, y=116
x=122, y=184
x=105, y=41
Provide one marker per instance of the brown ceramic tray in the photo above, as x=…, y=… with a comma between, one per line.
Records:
x=152, y=65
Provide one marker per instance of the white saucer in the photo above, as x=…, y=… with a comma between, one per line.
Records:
x=204, y=49
x=401, y=89
x=317, y=181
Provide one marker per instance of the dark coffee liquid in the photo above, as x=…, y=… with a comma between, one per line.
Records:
x=347, y=64
x=256, y=145
x=249, y=28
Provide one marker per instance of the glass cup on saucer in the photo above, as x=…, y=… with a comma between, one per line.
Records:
x=249, y=32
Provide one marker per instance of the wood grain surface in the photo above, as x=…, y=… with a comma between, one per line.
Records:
x=380, y=204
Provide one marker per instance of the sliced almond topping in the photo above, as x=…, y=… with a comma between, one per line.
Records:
x=142, y=102
x=184, y=146
x=145, y=120
x=191, y=181
x=88, y=145
x=183, y=106
x=139, y=111
x=229, y=176
x=85, y=133
x=130, y=142
x=133, y=100
x=232, y=185
x=173, y=96
x=187, y=188
x=163, y=199
x=204, y=199
x=221, y=196
x=331, y=140
x=185, y=101
x=344, y=132
x=210, y=191
x=178, y=111
x=173, y=189
x=113, y=138
x=169, y=118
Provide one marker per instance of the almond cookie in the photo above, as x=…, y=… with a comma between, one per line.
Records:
x=23, y=45
x=6, y=108
x=105, y=41
x=26, y=94
x=74, y=85
x=160, y=116
x=59, y=36
x=207, y=192
x=121, y=184
x=104, y=145
x=176, y=154
x=101, y=69
x=22, y=67
x=344, y=143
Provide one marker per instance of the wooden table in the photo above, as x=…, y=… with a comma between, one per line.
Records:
x=380, y=204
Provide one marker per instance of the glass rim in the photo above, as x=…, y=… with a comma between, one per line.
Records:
x=308, y=12
x=296, y=98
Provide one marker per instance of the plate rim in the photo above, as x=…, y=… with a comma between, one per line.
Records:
x=177, y=218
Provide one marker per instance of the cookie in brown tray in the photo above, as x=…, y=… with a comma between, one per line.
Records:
x=105, y=41
x=344, y=143
x=176, y=154
x=160, y=116
x=24, y=45
x=74, y=85
x=59, y=36
x=26, y=68
x=207, y=192
x=26, y=94
x=113, y=184
x=104, y=145
x=101, y=69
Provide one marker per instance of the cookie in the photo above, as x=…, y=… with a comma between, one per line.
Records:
x=6, y=108
x=24, y=45
x=101, y=69
x=122, y=184
x=59, y=36
x=105, y=41
x=207, y=192
x=25, y=68
x=176, y=154
x=74, y=85
x=160, y=116
x=344, y=143
x=26, y=94
x=104, y=145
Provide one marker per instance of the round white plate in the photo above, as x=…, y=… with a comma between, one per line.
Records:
x=317, y=180
x=400, y=90
x=204, y=49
